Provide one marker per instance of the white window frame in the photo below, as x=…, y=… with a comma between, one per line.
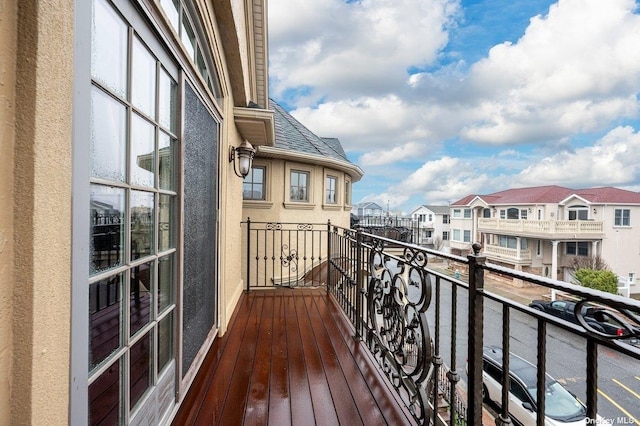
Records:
x=620, y=221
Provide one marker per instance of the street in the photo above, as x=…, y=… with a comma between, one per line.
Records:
x=618, y=375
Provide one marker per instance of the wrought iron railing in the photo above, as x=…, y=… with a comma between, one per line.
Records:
x=423, y=323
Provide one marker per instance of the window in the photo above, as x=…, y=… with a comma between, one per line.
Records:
x=467, y=236
x=299, y=186
x=457, y=213
x=467, y=213
x=445, y=235
x=253, y=187
x=622, y=217
x=579, y=248
x=445, y=219
x=513, y=213
x=133, y=226
x=486, y=213
x=523, y=214
x=181, y=22
x=632, y=277
x=456, y=235
x=430, y=217
x=539, y=248
x=578, y=213
x=503, y=214
x=347, y=193
x=330, y=190
x=511, y=242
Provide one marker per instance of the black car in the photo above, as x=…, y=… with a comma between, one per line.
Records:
x=593, y=316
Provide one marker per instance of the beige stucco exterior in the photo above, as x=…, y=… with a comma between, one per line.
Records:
x=8, y=22
x=36, y=182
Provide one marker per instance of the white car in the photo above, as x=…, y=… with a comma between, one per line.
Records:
x=561, y=407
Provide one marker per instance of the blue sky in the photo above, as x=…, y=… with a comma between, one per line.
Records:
x=438, y=99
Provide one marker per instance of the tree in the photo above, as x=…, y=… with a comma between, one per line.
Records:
x=603, y=280
x=596, y=263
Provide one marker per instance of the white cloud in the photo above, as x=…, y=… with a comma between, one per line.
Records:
x=393, y=155
x=614, y=160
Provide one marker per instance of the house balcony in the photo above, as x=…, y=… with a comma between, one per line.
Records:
x=371, y=330
x=544, y=229
x=514, y=256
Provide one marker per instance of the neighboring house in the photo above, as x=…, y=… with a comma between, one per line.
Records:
x=120, y=211
x=542, y=230
x=367, y=209
x=300, y=176
x=432, y=223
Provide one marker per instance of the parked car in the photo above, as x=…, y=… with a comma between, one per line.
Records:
x=561, y=406
x=566, y=310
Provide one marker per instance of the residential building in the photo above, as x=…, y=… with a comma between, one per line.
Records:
x=432, y=223
x=544, y=230
x=368, y=209
x=120, y=237
x=301, y=175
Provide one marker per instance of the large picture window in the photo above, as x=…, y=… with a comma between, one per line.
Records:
x=133, y=217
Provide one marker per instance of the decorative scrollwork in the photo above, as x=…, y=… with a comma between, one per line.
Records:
x=611, y=323
x=289, y=258
x=305, y=227
x=398, y=295
x=273, y=226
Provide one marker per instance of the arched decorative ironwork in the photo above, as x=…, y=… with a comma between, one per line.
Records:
x=398, y=295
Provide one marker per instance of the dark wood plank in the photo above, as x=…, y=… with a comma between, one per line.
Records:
x=299, y=389
x=323, y=408
x=345, y=407
x=257, y=411
x=208, y=390
x=236, y=399
x=279, y=398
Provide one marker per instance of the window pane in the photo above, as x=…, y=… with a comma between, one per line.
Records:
x=143, y=158
x=140, y=369
x=108, y=137
x=109, y=48
x=142, y=219
x=167, y=107
x=167, y=222
x=143, y=79
x=171, y=8
x=188, y=36
x=105, y=319
x=104, y=397
x=140, y=297
x=167, y=153
x=165, y=341
x=107, y=228
x=166, y=280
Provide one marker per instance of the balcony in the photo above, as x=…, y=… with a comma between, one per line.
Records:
x=546, y=229
x=522, y=256
x=375, y=331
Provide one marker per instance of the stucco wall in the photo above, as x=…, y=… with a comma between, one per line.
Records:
x=41, y=310
x=8, y=18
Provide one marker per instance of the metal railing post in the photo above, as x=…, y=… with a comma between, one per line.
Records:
x=359, y=284
x=329, y=258
x=475, y=336
x=248, y=253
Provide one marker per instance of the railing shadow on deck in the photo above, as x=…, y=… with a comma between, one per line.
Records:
x=422, y=324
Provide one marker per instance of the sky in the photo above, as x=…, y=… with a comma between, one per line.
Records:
x=439, y=99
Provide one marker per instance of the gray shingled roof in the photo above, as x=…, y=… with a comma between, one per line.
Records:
x=292, y=135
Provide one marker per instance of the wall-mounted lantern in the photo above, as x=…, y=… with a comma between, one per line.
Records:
x=244, y=153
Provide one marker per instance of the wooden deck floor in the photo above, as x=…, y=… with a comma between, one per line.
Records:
x=288, y=358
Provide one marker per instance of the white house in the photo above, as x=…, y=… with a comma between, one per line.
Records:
x=543, y=230
x=432, y=224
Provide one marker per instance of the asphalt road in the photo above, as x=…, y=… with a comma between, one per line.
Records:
x=618, y=375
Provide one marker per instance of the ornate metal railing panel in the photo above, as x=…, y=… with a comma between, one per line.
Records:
x=424, y=324
x=284, y=254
